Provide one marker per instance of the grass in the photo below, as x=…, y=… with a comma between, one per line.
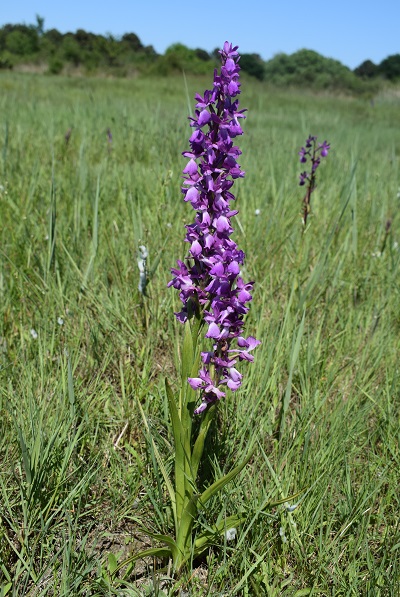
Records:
x=79, y=479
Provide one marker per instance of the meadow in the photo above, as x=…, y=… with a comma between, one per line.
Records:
x=81, y=348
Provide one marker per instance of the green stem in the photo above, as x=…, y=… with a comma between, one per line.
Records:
x=187, y=461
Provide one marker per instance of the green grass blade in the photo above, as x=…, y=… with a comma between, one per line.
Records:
x=220, y=483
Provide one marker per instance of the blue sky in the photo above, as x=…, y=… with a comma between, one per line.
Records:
x=350, y=31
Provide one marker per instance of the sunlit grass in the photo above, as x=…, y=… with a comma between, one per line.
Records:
x=79, y=480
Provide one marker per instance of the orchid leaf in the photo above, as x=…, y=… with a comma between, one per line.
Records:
x=187, y=356
x=209, y=537
x=175, y=420
x=112, y=563
x=199, y=443
x=158, y=552
x=183, y=477
x=169, y=541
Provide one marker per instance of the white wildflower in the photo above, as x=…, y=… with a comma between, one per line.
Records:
x=290, y=508
x=230, y=534
x=141, y=261
x=34, y=334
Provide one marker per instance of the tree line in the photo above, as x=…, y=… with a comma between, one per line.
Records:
x=93, y=53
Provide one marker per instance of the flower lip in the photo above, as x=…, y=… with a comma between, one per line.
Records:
x=324, y=147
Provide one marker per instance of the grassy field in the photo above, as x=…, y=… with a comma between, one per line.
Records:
x=80, y=347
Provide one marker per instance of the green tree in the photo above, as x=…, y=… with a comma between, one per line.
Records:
x=22, y=40
x=40, y=25
x=132, y=42
x=253, y=65
x=54, y=37
x=71, y=50
x=113, y=51
x=83, y=39
x=390, y=67
x=202, y=54
x=179, y=57
x=307, y=68
x=367, y=70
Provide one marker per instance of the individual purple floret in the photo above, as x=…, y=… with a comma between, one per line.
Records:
x=210, y=279
x=313, y=152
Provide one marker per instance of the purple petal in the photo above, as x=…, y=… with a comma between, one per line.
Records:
x=204, y=117
x=191, y=168
x=201, y=408
x=244, y=296
x=233, y=88
x=252, y=342
x=213, y=331
x=192, y=195
x=233, y=385
x=181, y=316
x=195, y=382
x=196, y=248
x=207, y=356
x=209, y=241
x=218, y=270
x=222, y=224
x=233, y=268
x=230, y=65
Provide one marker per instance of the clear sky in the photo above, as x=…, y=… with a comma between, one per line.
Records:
x=348, y=30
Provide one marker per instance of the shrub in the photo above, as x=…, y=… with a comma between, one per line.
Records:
x=253, y=65
x=6, y=62
x=22, y=41
x=307, y=68
x=55, y=65
x=367, y=70
x=390, y=67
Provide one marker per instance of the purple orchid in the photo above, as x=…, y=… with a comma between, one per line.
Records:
x=324, y=147
x=210, y=279
x=313, y=152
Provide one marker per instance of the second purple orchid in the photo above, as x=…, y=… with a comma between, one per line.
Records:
x=313, y=152
x=210, y=281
